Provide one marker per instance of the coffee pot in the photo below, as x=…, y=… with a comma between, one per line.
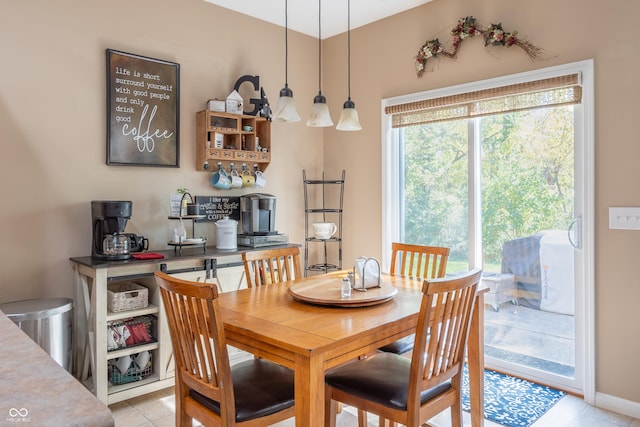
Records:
x=116, y=244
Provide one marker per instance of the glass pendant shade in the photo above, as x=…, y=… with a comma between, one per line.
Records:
x=349, y=117
x=286, y=107
x=349, y=120
x=320, y=116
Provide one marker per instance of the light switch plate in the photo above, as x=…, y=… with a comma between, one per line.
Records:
x=624, y=218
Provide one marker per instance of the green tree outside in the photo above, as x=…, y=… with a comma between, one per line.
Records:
x=527, y=163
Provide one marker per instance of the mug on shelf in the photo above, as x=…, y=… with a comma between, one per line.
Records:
x=221, y=180
x=324, y=230
x=236, y=179
x=261, y=181
x=248, y=180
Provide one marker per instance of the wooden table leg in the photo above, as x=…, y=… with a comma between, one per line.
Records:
x=475, y=352
x=309, y=391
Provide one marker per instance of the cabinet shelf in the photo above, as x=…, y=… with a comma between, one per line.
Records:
x=150, y=309
x=336, y=210
x=153, y=378
x=324, y=267
x=330, y=239
x=114, y=354
x=311, y=209
x=321, y=181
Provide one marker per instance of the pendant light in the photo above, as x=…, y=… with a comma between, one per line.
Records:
x=319, y=116
x=349, y=116
x=286, y=107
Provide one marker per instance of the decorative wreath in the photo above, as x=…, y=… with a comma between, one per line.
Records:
x=467, y=27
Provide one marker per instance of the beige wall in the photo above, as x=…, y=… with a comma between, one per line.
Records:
x=569, y=31
x=52, y=121
x=52, y=126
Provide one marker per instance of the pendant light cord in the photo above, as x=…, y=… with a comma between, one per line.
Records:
x=286, y=43
x=349, y=49
x=319, y=46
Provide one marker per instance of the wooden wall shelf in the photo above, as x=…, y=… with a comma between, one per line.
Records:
x=252, y=147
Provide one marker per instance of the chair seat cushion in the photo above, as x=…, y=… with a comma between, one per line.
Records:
x=401, y=346
x=382, y=378
x=260, y=388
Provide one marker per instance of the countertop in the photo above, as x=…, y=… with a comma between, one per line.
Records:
x=37, y=391
x=195, y=252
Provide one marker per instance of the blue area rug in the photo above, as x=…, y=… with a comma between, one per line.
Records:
x=511, y=401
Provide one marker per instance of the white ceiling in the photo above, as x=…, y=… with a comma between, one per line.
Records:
x=303, y=14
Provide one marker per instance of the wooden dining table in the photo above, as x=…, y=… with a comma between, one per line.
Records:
x=311, y=338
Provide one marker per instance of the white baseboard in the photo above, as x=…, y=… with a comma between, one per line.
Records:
x=617, y=404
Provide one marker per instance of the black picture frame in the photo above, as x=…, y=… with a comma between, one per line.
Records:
x=143, y=110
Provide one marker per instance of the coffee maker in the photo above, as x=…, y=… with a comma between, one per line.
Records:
x=258, y=214
x=109, y=219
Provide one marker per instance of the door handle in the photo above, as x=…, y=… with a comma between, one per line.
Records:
x=577, y=224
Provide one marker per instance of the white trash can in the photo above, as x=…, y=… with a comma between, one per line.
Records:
x=48, y=322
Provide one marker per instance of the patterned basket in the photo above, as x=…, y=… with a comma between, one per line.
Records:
x=126, y=296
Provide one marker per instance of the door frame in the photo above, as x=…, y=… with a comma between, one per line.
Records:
x=584, y=196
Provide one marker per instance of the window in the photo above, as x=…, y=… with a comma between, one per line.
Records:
x=451, y=151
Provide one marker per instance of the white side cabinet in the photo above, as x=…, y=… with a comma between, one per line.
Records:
x=92, y=347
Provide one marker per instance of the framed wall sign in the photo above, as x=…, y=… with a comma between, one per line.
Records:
x=143, y=111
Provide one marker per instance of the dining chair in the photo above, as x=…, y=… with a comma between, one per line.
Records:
x=267, y=266
x=411, y=391
x=415, y=261
x=251, y=393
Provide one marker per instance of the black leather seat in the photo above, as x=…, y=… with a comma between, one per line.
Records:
x=401, y=346
x=387, y=387
x=260, y=388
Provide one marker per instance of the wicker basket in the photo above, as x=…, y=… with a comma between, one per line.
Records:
x=126, y=296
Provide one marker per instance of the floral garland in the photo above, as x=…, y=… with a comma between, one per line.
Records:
x=494, y=35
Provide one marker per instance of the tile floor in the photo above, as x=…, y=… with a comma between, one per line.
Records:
x=157, y=409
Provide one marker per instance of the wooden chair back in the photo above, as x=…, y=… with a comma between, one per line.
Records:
x=205, y=381
x=272, y=265
x=441, y=339
x=418, y=261
x=199, y=345
x=436, y=363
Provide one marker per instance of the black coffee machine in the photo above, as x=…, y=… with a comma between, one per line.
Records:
x=109, y=219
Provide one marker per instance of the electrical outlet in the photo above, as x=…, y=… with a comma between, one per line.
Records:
x=624, y=218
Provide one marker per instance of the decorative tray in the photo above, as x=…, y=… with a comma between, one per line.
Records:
x=326, y=291
x=188, y=242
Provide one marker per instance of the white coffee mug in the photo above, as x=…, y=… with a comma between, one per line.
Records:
x=236, y=179
x=324, y=230
x=261, y=181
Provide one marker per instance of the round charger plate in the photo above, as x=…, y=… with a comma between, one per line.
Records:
x=326, y=291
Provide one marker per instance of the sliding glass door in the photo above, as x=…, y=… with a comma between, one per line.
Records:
x=506, y=192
